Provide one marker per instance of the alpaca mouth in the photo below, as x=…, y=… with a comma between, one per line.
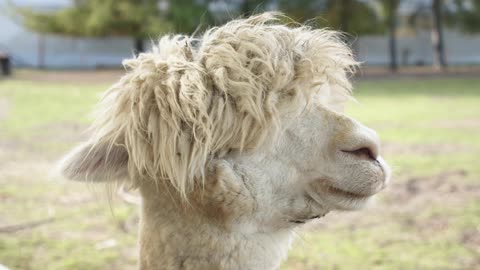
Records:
x=339, y=192
x=303, y=221
x=344, y=193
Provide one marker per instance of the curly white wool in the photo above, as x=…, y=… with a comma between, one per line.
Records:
x=181, y=104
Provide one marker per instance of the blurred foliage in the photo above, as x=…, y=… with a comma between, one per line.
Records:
x=99, y=18
x=467, y=17
x=460, y=14
x=389, y=9
x=186, y=16
x=128, y=18
x=249, y=7
x=141, y=19
x=145, y=18
x=354, y=17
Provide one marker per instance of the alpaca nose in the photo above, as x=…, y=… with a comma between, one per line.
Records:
x=363, y=144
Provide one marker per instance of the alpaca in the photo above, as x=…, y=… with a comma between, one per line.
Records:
x=233, y=139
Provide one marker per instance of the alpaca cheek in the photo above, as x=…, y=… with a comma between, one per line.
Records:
x=224, y=208
x=225, y=198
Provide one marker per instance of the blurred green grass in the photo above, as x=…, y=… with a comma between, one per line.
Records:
x=435, y=114
x=430, y=129
x=35, y=104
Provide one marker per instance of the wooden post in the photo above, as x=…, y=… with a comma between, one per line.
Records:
x=5, y=64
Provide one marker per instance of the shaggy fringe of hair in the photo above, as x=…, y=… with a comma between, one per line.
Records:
x=192, y=99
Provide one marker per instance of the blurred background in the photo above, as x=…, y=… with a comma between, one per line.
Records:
x=419, y=87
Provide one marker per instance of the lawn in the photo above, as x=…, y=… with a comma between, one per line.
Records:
x=429, y=218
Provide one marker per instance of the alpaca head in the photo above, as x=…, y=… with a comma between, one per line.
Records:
x=245, y=124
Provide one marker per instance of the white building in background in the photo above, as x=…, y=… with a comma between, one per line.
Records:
x=29, y=49
x=416, y=49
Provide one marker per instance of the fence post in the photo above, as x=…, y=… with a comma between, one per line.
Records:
x=5, y=64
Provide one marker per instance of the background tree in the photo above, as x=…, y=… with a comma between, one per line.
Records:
x=129, y=18
x=249, y=7
x=431, y=17
x=186, y=16
x=467, y=15
x=303, y=10
x=390, y=8
x=439, y=61
x=350, y=16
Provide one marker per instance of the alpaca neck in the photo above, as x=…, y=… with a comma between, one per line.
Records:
x=176, y=237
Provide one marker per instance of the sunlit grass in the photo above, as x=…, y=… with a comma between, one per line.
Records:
x=411, y=113
x=36, y=105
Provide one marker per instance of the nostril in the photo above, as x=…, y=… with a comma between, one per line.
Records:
x=364, y=153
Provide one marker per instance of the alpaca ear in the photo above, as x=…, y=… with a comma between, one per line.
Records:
x=95, y=163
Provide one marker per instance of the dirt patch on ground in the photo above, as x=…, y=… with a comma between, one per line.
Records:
x=405, y=198
x=471, y=238
x=16, y=169
x=462, y=123
x=44, y=142
x=394, y=149
x=83, y=77
x=65, y=132
x=417, y=191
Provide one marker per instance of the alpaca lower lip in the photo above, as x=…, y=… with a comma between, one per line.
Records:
x=344, y=193
x=330, y=189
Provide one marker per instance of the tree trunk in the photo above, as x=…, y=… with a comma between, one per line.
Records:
x=139, y=46
x=437, y=36
x=392, y=42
